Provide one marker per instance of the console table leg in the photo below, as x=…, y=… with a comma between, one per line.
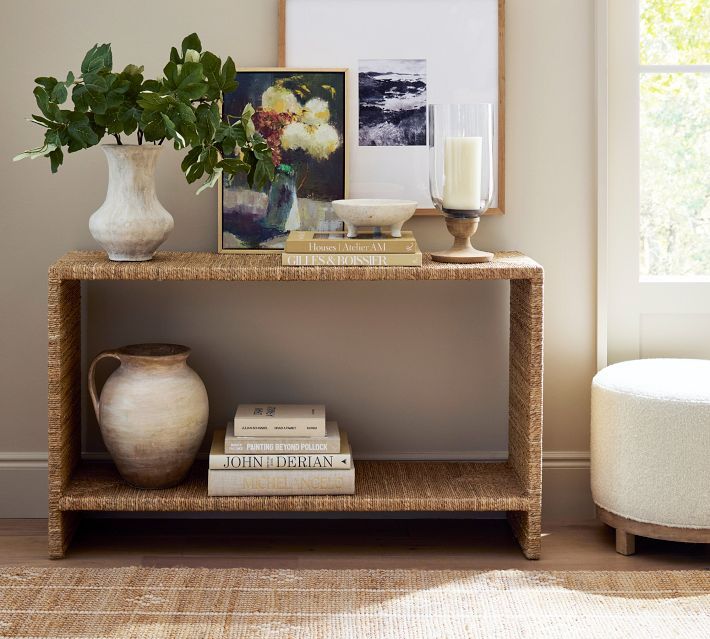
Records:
x=527, y=529
x=62, y=526
x=525, y=407
x=64, y=399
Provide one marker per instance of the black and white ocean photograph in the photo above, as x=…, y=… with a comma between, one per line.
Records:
x=392, y=102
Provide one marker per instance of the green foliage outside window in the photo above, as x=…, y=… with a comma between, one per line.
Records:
x=675, y=139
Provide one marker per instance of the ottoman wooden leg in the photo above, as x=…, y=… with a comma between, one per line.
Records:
x=625, y=542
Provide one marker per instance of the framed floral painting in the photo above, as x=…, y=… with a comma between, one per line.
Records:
x=302, y=114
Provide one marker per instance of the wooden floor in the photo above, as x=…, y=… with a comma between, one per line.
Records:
x=474, y=544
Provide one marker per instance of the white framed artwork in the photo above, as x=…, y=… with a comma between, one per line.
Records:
x=401, y=56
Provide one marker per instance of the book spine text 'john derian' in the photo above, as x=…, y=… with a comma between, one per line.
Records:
x=234, y=483
x=280, y=420
x=370, y=259
x=279, y=462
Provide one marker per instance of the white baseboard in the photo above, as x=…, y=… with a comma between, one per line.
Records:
x=550, y=459
x=23, y=477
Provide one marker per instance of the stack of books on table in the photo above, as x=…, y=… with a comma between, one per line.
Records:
x=315, y=248
x=280, y=449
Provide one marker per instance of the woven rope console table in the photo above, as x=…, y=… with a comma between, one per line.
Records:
x=513, y=486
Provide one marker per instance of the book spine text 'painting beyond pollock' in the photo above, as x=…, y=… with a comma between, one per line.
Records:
x=330, y=443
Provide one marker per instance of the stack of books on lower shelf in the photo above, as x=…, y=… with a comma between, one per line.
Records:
x=280, y=449
x=315, y=248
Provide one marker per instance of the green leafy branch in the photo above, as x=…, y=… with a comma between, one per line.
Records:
x=183, y=106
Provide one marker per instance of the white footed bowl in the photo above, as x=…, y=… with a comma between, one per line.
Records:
x=392, y=213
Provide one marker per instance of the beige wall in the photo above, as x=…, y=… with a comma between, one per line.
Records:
x=367, y=350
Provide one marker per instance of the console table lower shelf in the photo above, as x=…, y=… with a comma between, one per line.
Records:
x=380, y=486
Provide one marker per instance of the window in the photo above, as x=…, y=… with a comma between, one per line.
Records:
x=674, y=138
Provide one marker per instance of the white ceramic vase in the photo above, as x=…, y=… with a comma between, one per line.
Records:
x=131, y=224
x=152, y=412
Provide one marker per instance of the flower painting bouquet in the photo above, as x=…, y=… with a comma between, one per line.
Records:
x=301, y=115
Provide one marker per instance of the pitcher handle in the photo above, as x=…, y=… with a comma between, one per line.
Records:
x=92, y=381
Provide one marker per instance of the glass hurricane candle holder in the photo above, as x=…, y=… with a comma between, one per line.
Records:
x=461, y=173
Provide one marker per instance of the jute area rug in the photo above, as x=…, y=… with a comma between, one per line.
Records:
x=148, y=603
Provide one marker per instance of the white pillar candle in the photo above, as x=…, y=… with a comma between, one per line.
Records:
x=462, y=173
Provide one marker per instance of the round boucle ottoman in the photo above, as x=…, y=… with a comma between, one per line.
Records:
x=651, y=450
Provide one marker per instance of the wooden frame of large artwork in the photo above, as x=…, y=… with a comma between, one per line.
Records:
x=220, y=238
x=500, y=209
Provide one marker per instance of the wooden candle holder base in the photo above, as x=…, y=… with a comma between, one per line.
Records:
x=462, y=252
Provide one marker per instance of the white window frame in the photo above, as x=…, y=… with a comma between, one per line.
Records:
x=623, y=296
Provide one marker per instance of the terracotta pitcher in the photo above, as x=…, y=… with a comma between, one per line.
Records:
x=152, y=413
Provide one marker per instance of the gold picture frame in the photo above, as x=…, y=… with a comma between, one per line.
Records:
x=220, y=213
x=500, y=208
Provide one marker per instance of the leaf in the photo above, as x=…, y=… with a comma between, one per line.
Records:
x=270, y=168
x=56, y=137
x=215, y=115
x=132, y=69
x=249, y=157
x=172, y=72
x=194, y=172
x=191, y=42
x=98, y=57
x=240, y=134
x=48, y=83
x=228, y=76
x=175, y=56
x=92, y=93
x=191, y=84
x=43, y=102
x=190, y=158
x=211, y=66
x=211, y=181
x=211, y=159
x=172, y=132
x=186, y=112
x=206, y=128
x=38, y=152
x=47, y=124
x=151, y=101
x=151, y=85
x=261, y=176
x=153, y=126
x=80, y=132
x=247, y=122
x=117, y=93
x=130, y=118
x=259, y=143
x=56, y=158
x=186, y=81
x=233, y=165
